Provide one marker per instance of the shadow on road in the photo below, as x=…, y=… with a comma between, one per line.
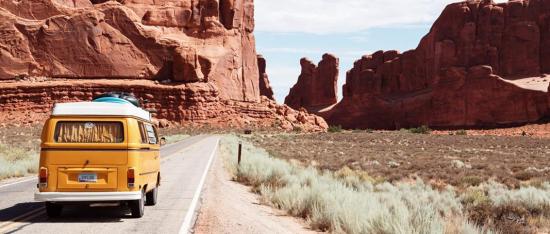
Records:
x=71, y=213
x=10, y=213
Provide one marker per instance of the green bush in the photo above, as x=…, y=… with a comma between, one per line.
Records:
x=335, y=128
x=421, y=130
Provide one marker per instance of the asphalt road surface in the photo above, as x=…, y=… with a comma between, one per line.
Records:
x=184, y=166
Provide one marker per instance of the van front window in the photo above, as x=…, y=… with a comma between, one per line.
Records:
x=89, y=132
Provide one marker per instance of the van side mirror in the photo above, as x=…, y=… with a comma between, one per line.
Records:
x=162, y=141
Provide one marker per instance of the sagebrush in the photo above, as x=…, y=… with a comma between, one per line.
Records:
x=346, y=204
x=16, y=162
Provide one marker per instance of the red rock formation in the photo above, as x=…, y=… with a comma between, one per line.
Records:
x=265, y=87
x=461, y=75
x=317, y=85
x=197, y=103
x=188, y=43
x=202, y=52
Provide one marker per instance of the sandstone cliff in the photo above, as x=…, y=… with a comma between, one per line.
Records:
x=188, y=55
x=481, y=65
x=316, y=88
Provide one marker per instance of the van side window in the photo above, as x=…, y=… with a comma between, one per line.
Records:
x=143, y=133
x=156, y=132
x=151, y=134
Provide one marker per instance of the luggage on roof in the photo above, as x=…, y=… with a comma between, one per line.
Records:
x=118, y=97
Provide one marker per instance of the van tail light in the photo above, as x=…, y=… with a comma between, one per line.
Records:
x=131, y=177
x=43, y=177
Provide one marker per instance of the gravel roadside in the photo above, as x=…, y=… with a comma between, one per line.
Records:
x=229, y=207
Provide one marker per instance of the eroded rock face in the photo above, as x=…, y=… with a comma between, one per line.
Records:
x=317, y=85
x=265, y=87
x=186, y=104
x=194, y=60
x=182, y=41
x=461, y=75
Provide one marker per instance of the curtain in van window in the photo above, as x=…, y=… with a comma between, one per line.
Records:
x=89, y=132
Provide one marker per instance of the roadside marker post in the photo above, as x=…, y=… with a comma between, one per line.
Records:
x=240, y=152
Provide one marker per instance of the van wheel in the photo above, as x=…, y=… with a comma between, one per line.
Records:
x=152, y=197
x=53, y=210
x=138, y=207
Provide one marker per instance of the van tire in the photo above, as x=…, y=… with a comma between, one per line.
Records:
x=137, y=207
x=53, y=210
x=152, y=197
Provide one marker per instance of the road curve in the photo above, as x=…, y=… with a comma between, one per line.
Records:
x=184, y=165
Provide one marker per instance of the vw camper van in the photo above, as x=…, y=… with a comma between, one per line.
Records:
x=105, y=151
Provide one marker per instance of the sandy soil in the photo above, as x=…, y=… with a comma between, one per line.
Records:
x=229, y=207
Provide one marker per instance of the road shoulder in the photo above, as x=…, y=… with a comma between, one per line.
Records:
x=229, y=207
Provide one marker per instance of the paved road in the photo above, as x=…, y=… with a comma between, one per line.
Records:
x=184, y=166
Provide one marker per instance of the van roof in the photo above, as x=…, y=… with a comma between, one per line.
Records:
x=100, y=109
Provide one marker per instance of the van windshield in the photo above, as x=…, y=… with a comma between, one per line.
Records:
x=89, y=132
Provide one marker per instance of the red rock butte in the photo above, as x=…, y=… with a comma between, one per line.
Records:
x=317, y=85
x=192, y=61
x=481, y=65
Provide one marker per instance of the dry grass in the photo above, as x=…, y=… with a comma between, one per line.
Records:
x=19, y=147
x=17, y=162
x=501, y=183
x=347, y=201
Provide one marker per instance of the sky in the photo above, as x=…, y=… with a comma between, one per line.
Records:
x=288, y=30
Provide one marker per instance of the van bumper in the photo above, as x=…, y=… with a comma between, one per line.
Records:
x=86, y=196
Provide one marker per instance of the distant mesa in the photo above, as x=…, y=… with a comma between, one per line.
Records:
x=481, y=65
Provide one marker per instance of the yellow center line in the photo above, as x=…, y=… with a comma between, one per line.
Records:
x=8, y=225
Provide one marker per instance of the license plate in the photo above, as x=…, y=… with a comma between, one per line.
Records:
x=87, y=178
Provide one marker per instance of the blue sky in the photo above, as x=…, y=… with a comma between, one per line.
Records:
x=287, y=30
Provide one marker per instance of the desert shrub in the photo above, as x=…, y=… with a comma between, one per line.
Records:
x=421, y=130
x=471, y=180
x=461, y=132
x=16, y=162
x=342, y=201
x=525, y=175
x=335, y=128
x=474, y=197
x=535, y=200
x=297, y=129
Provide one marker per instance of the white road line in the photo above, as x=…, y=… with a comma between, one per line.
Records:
x=18, y=182
x=186, y=226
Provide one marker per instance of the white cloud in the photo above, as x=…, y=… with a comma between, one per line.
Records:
x=338, y=16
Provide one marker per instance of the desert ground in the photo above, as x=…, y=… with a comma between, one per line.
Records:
x=473, y=164
x=458, y=160
x=464, y=161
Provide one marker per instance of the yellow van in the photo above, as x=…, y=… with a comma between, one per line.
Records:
x=99, y=152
